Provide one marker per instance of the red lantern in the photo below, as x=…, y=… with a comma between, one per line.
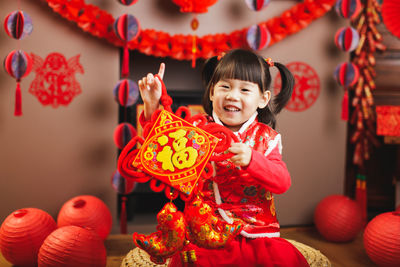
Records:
x=338, y=218
x=86, y=211
x=72, y=246
x=390, y=15
x=257, y=5
x=126, y=92
x=348, y=9
x=382, y=239
x=195, y=6
x=258, y=37
x=22, y=233
x=18, y=64
x=18, y=25
x=127, y=2
x=123, y=134
x=347, y=38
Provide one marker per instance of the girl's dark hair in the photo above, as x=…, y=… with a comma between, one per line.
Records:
x=247, y=66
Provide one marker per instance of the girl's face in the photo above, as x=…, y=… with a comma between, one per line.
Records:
x=235, y=101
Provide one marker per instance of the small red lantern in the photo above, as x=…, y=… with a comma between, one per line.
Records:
x=257, y=5
x=86, y=211
x=195, y=6
x=126, y=28
x=127, y=2
x=22, y=233
x=258, y=37
x=126, y=92
x=18, y=25
x=338, y=218
x=72, y=246
x=18, y=64
x=348, y=9
x=123, y=134
x=347, y=39
x=382, y=239
x=346, y=74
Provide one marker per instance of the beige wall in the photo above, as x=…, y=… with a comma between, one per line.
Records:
x=50, y=155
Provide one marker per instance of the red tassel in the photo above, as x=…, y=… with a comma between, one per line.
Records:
x=125, y=62
x=194, y=51
x=18, y=101
x=345, y=106
x=123, y=226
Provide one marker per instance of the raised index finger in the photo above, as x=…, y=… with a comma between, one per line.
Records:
x=161, y=70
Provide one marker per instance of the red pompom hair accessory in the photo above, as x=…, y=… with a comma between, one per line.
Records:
x=269, y=61
x=18, y=64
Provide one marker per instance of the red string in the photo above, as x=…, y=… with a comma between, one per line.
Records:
x=18, y=101
x=125, y=61
x=123, y=223
x=345, y=106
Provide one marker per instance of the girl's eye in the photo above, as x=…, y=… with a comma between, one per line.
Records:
x=245, y=90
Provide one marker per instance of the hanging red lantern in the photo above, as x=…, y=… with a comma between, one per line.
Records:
x=126, y=28
x=346, y=74
x=348, y=9
x=123, y=133
x=72, y=246
x=22, y=233
x=18, y=24
x=195, y=6
x=338, y=218
x=382, y=239
x=258, y=37
x=257, y=5
x=127, y=2
x=86, y=211
x=126, y=92
x=390, y=14
x=347, y=39
x=18, y=64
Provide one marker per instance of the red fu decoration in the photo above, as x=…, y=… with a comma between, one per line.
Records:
x=18, y=64
x=127, y=28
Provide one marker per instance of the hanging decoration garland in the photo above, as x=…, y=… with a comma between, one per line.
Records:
x=95, y=21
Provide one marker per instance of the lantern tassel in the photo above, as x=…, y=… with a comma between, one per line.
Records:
x=123, y=226
x=18, y=101
x=345, y=106
x=125, y=62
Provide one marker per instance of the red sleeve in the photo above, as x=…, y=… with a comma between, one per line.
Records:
x=270, y=170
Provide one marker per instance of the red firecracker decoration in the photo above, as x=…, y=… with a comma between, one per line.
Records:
x=18, y=64
x=86, y=211
x=338, y=218
x=22, y=233
x=18, y=25
x=257, y=5
x=194, y=6
x=347, y=39
x=127, y=28
x=258, y=37
x=348, y=9
x=72, y=246
x=123, y=133
x=390, y=14
x=126, y=92
x=382, y=239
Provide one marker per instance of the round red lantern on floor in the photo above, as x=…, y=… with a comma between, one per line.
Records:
x=382, y=239
x=338, y=218
x=72, y=246
x=86, y=211
x=22, y=233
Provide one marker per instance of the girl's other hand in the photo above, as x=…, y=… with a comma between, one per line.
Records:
x=242, y=155
x=150, y=91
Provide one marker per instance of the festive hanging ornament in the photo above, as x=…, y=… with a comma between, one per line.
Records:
x=347, y=38
x=22, y=233
x=72, y=246
x=18, y=25
x=18, y=64
x=346, y=74
x=126, y=92
x=86, y=211
x=348, y=9
x=126, y=28
x=382, y=239
x=123, y=133
x=195, y=6
x=127, y=2
x=390, y=14
x=258, y=37
x=338, y=218
x=257, y=5
x=55, y=83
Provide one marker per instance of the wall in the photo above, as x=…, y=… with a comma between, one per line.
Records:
x=50, y=155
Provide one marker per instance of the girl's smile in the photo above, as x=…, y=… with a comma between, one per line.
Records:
x=235, y=101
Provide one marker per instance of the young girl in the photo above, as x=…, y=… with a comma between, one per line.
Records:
x=238, y=96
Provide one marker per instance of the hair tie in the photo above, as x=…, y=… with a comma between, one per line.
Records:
x=269, y=62
x=221, y=55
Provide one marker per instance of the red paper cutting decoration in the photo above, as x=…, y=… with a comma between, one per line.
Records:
x=18, y=25
x=86, y=211
x=72, y=246
x=390, y=14
x=382, y=239
x=388, y=120
x=18, y=64
x=22, y=233
x=195, y=6
x=55, y=82
x=306, y=87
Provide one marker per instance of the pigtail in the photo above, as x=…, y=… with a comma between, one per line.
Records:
x=286, y=91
